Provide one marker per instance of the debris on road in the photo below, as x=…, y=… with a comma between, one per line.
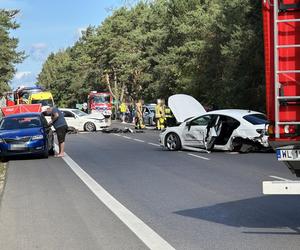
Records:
x=120, y=130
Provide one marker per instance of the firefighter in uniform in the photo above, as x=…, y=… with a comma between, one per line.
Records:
x=170, y=119
x=139, y=115
x=157, y=113
x=160, y=114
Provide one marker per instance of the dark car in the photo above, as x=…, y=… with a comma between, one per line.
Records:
x=25, y=134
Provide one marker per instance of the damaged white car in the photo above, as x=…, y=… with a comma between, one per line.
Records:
x=226, y=130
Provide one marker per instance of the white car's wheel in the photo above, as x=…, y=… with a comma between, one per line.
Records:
x=89, y=126
x=173, y=142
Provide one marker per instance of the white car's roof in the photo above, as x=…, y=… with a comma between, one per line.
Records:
x=234, y=113
x=67, y=109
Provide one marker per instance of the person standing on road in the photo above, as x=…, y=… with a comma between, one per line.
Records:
x=139, y=115
x=162, y=119
x=123, y=109
x=85, y=108
x=160, y=114
x=157, y=113
x=59, y=123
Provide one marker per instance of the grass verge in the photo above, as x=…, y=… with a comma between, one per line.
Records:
x=2, y=176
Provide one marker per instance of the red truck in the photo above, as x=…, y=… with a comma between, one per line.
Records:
x=281, y=23
x=100, y=102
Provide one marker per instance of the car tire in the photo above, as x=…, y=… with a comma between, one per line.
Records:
x=89, y=127
x=173, y=142
x=4, y=159
x=46, y=153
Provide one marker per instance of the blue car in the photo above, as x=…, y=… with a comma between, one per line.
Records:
x=25, y=134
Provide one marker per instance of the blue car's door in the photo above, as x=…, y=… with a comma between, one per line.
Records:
x=48, y=132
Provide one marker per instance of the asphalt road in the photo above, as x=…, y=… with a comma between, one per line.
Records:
x=191, y=200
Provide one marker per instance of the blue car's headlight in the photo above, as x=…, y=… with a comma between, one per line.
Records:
x=37, y=137
x=2, y=141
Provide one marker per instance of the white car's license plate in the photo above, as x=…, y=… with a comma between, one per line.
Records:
x=18, y=146
x=288, y=154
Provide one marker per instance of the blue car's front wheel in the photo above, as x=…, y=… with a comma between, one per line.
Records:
x=45, y=154
x=51, y=151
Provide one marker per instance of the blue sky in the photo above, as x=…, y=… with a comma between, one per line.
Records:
x=50, y=25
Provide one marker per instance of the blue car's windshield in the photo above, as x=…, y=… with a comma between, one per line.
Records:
x=20, y=123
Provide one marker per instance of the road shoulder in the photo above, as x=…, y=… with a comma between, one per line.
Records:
x=3, y=168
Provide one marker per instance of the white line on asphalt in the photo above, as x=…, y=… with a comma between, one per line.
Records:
x=138, y=140
x=150, y=238
x=154, y=144
x=279, y=178
x=127, y=137
x=201, y=157
x=117, y=135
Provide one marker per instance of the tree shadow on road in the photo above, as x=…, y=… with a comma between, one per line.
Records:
x=265, y=212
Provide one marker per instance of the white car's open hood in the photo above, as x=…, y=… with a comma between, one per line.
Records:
x=185, y=106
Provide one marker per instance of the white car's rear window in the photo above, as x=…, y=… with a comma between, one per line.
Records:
x=256, y=119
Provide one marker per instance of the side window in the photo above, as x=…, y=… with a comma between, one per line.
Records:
x=231, y=122
x=68, y=114
x=201, y=121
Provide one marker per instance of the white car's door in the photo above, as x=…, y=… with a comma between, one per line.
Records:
x=195, y=131
x=213, y=130
x=71, y=119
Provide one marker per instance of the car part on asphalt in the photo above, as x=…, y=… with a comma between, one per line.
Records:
x=72, y=130
x=119, y=130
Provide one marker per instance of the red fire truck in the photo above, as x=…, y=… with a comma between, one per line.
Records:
x=281, y=20
x=100, y=102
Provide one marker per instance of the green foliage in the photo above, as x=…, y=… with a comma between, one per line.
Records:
x=8, y=47
x=211, y=49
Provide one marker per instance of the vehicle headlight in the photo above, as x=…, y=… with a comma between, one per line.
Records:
x=2, y=141
x=37, y=137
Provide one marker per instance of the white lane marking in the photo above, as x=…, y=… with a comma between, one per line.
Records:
x=150, y=238
x=279, y=178
x=201, y=157
x=127, y=137
x=154, y=144
x=138, y=140
x=117, y=135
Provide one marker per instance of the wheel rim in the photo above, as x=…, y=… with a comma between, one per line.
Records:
x=172, y=142
x=90, y=126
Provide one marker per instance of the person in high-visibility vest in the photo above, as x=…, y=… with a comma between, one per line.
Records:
x=123, y=109
x=157, y=113
x=162, y=119
x=160, y=114
x=170, y=119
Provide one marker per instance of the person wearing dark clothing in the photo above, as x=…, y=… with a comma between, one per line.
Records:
x=59, y=123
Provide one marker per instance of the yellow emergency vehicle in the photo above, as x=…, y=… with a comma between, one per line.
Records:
x=44, y=98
